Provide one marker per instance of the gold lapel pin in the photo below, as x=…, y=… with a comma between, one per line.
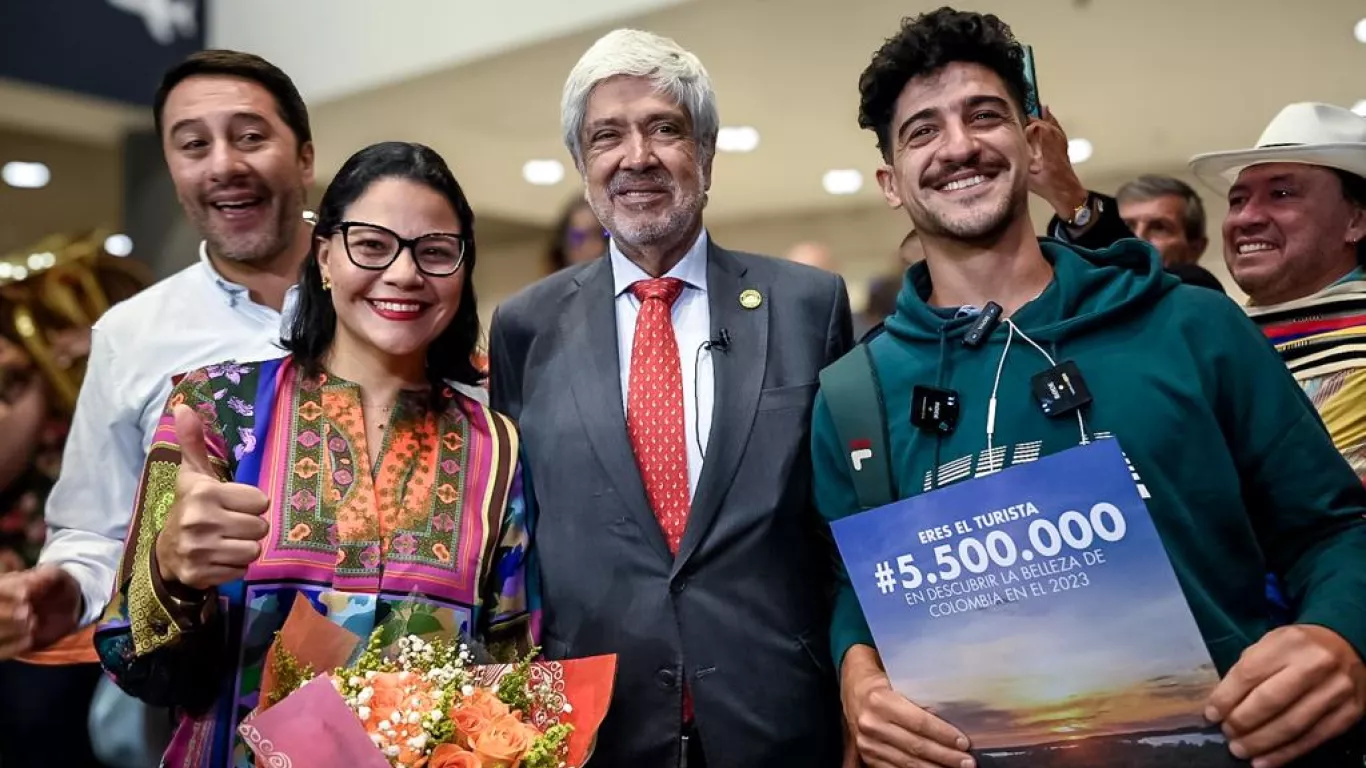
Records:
x=750, y=298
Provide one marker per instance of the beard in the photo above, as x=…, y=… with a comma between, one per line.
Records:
x=982, y=221
x=647, y=228
x=260, y=244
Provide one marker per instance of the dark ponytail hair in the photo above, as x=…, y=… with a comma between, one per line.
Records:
x=451, y=355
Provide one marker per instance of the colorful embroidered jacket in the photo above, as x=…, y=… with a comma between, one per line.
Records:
x=1323, y=340
x=432, y=541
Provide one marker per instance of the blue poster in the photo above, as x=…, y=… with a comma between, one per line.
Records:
x=1036, y=610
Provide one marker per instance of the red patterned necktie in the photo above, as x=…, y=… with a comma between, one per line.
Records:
x=654, y=407
x=654, y=415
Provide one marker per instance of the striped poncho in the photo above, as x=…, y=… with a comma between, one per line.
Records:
x=1323, y=341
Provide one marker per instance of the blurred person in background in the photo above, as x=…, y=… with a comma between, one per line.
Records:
x=238, y=145
x=1166, y=212
x=812, y=254
x=664, y=395
x=1295, y=243
x=40, y=371
x=578, y=237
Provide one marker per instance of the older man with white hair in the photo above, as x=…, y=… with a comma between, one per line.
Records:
x=664, y=395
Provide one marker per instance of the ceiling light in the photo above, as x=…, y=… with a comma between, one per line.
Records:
x=845, y=181
x=1360, y=31
x=26, y=175
x=1360, y=107
x=1079, y=151
x=543, y=173
x=737, y=138
x=118, y=245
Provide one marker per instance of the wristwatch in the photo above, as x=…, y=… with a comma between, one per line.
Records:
x=1085, y=212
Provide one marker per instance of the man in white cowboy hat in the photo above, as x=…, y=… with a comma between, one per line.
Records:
x=1295, y=242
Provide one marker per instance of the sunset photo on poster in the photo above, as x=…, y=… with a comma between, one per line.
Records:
x=1036, y=610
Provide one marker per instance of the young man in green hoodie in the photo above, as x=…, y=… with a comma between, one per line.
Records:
x=1241, y=475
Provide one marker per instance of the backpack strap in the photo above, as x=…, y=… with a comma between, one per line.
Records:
x=854, y=397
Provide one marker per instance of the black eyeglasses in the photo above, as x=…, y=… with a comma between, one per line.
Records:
x=370, y=246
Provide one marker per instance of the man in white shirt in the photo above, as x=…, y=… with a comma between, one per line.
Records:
x=238, y=145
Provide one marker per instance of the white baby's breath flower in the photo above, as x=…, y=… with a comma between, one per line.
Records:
x=467, y=690
x=567, y=708
x=391, y=751
x=414, y=717
x=418, y=742
x=363, y=712
x=377, y=739
x=435, y=716
x=365, y=695
x=371, y=675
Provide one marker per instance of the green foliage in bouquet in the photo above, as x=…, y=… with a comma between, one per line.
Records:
x=513, y=687
x=548, y=751
x=290, y=674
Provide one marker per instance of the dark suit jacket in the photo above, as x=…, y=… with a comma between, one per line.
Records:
x=742, y=613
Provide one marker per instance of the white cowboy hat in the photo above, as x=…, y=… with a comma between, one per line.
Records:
x=1308, y=133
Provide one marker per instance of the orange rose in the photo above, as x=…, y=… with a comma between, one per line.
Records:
x=469, y=723
x=485, y=702
x=388, y=693
x=504, y=743
x=451, y=756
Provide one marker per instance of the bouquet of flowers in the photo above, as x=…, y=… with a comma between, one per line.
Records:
x=425, y=704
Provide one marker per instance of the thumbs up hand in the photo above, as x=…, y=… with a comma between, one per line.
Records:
x=214, y=529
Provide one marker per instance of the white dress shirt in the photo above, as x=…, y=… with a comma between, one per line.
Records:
x=189, y=320
x=692, y=328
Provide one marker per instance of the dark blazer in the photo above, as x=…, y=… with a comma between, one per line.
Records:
x=742, y=613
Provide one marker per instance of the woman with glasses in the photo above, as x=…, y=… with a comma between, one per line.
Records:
x=360, y=472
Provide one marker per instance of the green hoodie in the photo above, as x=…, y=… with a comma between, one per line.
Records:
x=1243, y=477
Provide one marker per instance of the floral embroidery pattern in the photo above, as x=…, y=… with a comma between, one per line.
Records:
x=407, y=507
x=230, y=371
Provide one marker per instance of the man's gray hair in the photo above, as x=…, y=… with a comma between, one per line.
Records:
x=1151, y=187
x=633, y=53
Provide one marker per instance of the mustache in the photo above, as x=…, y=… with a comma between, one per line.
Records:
x=260, y=190
x=624, y=180
x=977, y=164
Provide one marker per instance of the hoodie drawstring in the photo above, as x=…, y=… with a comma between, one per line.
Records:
x=1013, y=329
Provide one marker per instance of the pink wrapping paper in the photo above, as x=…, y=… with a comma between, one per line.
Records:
x=311, y=728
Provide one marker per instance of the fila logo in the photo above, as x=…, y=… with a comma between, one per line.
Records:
x=859, y=451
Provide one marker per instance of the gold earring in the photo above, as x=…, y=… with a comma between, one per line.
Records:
x=327, y=283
